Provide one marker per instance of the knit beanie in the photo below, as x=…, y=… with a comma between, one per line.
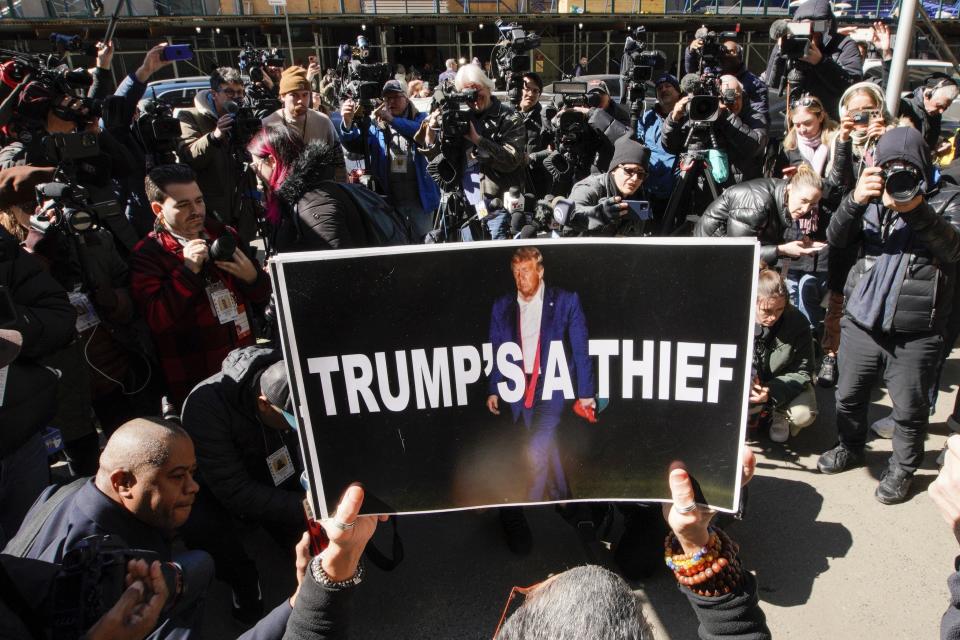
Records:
x=293, y=79
x=628, y=151
x=18, y=185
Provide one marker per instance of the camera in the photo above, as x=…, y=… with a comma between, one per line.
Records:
x=729, y=97
x=572, y=94
x=69, y=208
x=511, y=56
x=246, y=124
x=795, y=43
x=223, y=248
x=92, y=578
x=455, y=114
x=360, y=80
x=645, y=64
x=252, y=61
x=67, y=147
x=865, y=116
x=159, y=131
x=704, y=104
x=901, y=180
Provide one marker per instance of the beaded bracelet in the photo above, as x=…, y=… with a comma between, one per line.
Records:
x=712, y=571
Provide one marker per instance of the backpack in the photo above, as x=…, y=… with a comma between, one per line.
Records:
x=381, y=219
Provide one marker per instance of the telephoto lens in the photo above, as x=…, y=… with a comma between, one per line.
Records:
x=223, y=248
x=901, y=181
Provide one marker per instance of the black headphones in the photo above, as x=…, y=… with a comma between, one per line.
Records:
x=935, y=82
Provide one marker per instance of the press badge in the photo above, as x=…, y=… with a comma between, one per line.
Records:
x=222, y=303
x=280, y=465
x=86, y=315
x=398, y=163
x=242, y=323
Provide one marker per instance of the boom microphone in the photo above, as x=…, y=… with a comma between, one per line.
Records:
x=528, y=231
x=779, y=29
x=689, y=83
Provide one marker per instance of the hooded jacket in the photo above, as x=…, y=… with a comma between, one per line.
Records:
x=219, y=176
x=756, y=208
x=928, y=125
x=232, y=444
x=586, y=195
x=925, y=296
x=377, y=144
x=841, y=66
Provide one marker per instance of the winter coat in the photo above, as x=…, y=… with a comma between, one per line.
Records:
x=503, y=140
x=317, y=126
x=786, y=357
x=841, y=66
x=928, y=125
x=232, y=444
x=743, y=137
x=661, y=178
x=756, y=208
x=377, y=145
x=190, y=340
x=586, y=194
x=317, y=212
x=927, y=292
x=219, y=176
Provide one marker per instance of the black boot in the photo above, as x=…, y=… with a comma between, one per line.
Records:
x=516, y=530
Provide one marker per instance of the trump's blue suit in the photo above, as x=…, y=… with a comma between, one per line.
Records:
x=562, y=320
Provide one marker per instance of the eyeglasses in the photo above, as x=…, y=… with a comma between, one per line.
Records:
x=507, y=609
x=632, y=173
x=230, y=93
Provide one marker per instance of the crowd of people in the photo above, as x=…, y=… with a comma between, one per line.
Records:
x=142, y=346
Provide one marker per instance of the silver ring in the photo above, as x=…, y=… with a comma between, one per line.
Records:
x=686, y=508
x=344, y=526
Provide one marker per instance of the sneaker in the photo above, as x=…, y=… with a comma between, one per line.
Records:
x=779, y=427
x=516, y=530
x=827, y=376
x=884, y=427
x=894, y=485
x=838, y=459
x=247, y=605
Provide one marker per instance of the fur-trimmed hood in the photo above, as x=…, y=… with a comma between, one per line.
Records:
x=315, y=165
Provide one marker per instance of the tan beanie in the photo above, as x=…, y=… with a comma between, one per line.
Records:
x=293, y=79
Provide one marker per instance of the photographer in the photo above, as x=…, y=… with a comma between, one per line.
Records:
x=197, y=296
x=768, y=209
x=924, y=109
x=610, y=119
x=599, y=204
x=899, y=296
x=393, y=157
x=661, y=179
x=207, y=146
x=496, y=140
x=832, y=61
x=296, y=113
x=540, y=135
x=730, y=62
x=739, y=134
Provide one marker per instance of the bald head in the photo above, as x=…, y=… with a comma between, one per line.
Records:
x=147, y=468
x=142, y=442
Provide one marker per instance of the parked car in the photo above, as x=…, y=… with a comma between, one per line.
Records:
x=177, y=92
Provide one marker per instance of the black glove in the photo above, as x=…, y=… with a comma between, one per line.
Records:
x=608, y=210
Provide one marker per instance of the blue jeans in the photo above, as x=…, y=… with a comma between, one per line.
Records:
x=806, y=292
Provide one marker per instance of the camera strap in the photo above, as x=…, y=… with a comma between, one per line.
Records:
x=21, y=543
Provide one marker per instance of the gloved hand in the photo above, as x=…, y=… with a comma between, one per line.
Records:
x=609, y=209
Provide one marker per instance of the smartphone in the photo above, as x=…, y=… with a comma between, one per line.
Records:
x=639, y=209
x=311, y=59
x=173, y=52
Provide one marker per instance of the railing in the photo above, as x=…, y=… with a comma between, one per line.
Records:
x=937, y=9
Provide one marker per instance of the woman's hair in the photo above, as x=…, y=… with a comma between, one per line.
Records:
x=868, y=89
x=284, y=147
x=473, y=74
x=814, y=106
x=8, y=220
x=770, y=284
x=414, y=87
x=805, y=176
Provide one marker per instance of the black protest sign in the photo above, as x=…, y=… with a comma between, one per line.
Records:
x=477, y=374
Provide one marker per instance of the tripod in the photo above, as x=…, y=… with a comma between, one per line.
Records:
x=693, y=164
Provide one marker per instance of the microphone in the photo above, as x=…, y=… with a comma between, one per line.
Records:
x=231, y=107
x=689, y=83
x=779, y=29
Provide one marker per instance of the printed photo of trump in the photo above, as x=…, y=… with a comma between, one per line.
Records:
x=536, y=317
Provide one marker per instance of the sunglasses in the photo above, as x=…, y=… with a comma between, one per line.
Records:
x=806, y=102
x=632, y=173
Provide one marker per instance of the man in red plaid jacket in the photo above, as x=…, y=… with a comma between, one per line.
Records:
x=198, y=309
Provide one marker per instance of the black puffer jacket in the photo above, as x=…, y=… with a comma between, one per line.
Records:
x=756, y=208
x=317, y=213
x=586, y=195
x=926, y=295
x=232, y=444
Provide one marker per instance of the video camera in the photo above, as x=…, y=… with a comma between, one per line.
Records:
x=51, y=76
x=511, y=57
x=455, y=114
x=158, y=130
x=711, y=47
x=704, y=106
x=359, y=80
x=253, y=60
x=795, y=37
x=643, y=65
x=246, y=122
